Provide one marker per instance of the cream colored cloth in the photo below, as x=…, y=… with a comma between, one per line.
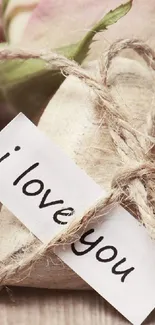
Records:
x=72, y=121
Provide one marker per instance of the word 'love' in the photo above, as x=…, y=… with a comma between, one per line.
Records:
x=26, y=189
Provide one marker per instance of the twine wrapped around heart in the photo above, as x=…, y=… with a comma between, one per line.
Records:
x=134, y=184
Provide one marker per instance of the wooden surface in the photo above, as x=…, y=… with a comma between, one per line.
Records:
x=47, y=307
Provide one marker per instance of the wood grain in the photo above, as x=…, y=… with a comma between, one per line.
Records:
x=39, y=306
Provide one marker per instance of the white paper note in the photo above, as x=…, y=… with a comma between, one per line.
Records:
x=46, y=190
x=53, y=190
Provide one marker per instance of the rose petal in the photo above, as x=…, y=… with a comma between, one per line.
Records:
x=16, y=14
x=55, y=23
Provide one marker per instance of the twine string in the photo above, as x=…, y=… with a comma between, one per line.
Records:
x=134, y=183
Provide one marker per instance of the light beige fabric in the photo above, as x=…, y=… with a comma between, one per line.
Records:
x=72, y=121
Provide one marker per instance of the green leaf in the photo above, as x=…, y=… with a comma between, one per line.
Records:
x=69, y=50
x=79, y=51
x=113, y=16
x=27, y=85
